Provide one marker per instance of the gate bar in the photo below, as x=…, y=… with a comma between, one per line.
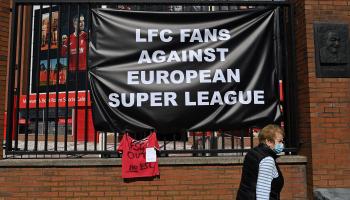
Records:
x=12, y=71
x=197, y=2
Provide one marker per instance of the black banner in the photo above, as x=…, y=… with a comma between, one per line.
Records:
x=176, y=71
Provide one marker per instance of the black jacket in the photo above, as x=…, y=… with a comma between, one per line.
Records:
x=247, y=188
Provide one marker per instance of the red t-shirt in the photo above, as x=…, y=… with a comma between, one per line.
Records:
x=73, y=51
x=134, y=156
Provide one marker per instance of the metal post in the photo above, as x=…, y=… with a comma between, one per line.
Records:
x=11, y=81
x=19, y=69
x=28, y=79
x=59, y=38
x=291, y=99
x=103, y=145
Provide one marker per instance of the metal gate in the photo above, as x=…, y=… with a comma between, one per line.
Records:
x=48, y=99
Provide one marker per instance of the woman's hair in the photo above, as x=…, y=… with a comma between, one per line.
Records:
x=269, y=133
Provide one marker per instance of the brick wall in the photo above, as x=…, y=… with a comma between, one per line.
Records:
x=176, y=182
x=4, y=33
x=328, y=102
x=303, y=102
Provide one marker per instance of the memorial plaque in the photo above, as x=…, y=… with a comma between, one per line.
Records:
x=331, y=50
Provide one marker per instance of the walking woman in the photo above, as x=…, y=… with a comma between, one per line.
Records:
x=261, y=176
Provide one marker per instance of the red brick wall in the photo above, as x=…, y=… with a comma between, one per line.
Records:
x=328, y=100
x=4, y=33
x=176, y=182
x=303, y=100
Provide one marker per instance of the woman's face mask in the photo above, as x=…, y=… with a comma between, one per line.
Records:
x=276, y=145
x=279, y=148
x=279, y=144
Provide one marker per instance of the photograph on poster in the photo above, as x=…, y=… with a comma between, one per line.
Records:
x=68, y=42
x=45, y=26
x=75, y=34
x=60, y=68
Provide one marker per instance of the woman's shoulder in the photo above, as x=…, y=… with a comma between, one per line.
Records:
x=268, y=159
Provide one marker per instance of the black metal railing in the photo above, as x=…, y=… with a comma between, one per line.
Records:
x=49, y=110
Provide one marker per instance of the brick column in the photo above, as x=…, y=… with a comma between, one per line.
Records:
x=329, y=104
x=303, y=118
x=324, y=103
x=4, y=35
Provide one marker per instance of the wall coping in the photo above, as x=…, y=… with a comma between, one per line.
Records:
x=89, y=162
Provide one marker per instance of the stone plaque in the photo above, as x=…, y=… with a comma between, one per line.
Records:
x=331, y=50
